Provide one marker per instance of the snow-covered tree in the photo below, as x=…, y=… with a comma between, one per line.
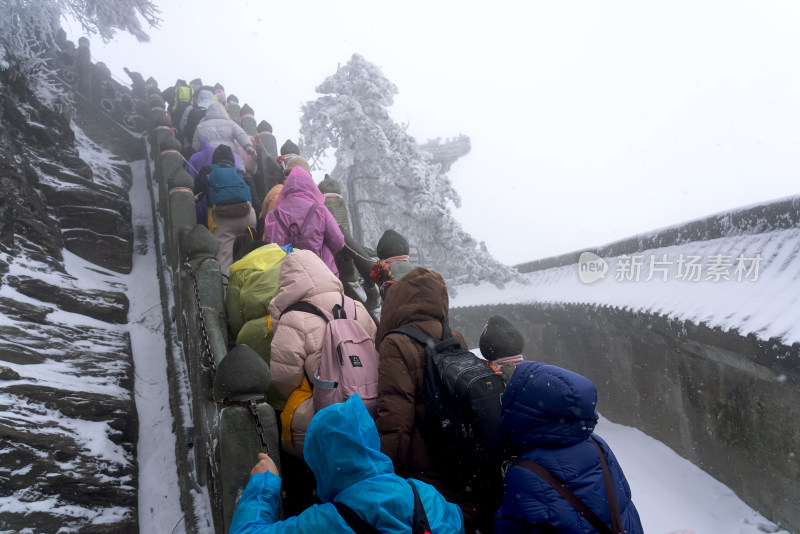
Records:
x=386, y=177
x=28, y=27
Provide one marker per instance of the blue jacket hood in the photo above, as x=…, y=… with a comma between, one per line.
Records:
x=342, y=447
x=545, y=406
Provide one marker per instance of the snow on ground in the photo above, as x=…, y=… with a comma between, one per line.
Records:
x=672, y=494
x=743, y=282
x=159, y=494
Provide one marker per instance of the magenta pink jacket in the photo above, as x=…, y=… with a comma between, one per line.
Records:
x=298, y=196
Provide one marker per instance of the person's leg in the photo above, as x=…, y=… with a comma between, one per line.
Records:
x=226, y=232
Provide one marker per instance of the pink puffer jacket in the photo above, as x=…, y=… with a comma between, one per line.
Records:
x=297, y=344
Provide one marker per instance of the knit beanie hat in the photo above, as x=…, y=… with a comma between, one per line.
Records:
x=289, y=147
x=222, y=153
x=264, y=126
x=247, y=110
x=233, y=98
x=500, y=339
x=329, y=185
x=391, y=244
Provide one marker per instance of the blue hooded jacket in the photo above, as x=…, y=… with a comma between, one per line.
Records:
x=342, y=448
x=548, y=416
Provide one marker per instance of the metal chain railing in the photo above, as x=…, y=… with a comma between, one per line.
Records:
x=207, y=352
x=253, y=405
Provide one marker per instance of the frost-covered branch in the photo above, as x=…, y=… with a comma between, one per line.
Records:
x=29, y=27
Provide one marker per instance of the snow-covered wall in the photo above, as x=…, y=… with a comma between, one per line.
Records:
x=708, y=364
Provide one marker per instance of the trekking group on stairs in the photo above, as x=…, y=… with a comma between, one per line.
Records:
x=388, y=422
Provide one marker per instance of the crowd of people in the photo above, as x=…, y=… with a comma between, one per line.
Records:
x=349, y=466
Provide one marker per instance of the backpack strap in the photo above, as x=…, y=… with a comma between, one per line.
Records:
x=310, y=213
x=339, y=311
x=570, y=497
x=419, y=521
x=359, y=525
x=414, y=333
x=448, y=341
x=420, y=524
x=307, y=307
x=282, y=224
x=303, y=225
x=432, y=389
x=611, y=494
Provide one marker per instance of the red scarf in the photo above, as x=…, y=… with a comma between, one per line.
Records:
x=381, y=272
x=508, y=360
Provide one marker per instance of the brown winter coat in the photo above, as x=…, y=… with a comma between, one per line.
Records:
x=419, y=299
x=297, y=344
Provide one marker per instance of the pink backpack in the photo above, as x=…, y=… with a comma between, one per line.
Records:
x=349, y=361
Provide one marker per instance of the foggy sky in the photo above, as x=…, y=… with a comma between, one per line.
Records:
x=590, y=121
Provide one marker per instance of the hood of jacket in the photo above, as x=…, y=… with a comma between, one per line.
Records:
x=303, y=275
x=545, y=406
x=205, y=99
x=300, y=183
x=420, y=295
x=348, y=429
x=215, y=111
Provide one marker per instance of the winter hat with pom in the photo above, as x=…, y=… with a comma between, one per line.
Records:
x=500, y=339
x=391, y=244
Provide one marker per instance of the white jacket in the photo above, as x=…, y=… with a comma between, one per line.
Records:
x=219, y=129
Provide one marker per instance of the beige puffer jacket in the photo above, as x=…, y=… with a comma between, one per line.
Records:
x=297, y=345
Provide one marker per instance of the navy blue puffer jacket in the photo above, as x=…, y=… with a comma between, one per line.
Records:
x=548, y=417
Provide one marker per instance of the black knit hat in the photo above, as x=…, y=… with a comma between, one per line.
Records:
x=391, y=244
x=289, y=148
x=264, y=126
x=232, y=98
x=222, y=153
x=247, y=110
x=500, y=339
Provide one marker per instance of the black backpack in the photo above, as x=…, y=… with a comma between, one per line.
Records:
x=462, y=403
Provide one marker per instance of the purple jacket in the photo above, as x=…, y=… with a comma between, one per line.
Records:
x=298, y=196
